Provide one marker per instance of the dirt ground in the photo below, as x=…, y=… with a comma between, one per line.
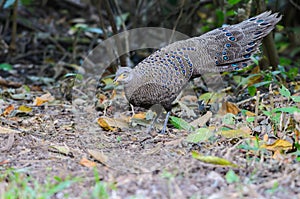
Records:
x=50, y=141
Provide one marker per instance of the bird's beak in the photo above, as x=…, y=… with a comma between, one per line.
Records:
x=118, y=78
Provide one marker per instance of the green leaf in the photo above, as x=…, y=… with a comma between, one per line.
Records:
x=122, y=18
x=212, y=160
x=220, y=17
x=292, y=73
x=285, y=92
x=230, y=13
x=231, y=177
x=233, y=2
x=6, y=67
x=229, y=118
x=250, y=119
x=262, y=83
x=181, y=124
x=201, y=134
x=267, y=113
x=286, y=110
x=296, y=98
x=252, y=90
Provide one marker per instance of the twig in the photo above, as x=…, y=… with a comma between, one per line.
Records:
x=2, y=4
x=256, y=108
x=177, y=20
x=269, y=47
x=294, y=4
x=10, y=142
x=124, y=27
x=114, y=29
x=101, y=20
x=12, y=45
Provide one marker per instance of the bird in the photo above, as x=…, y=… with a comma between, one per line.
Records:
x=160, y=77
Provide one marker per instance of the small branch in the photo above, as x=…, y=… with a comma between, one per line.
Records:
x=12, y=45
x=114, y=29
x=295, y=4
x=256, y=108
x=2, y=4
x=269, y=47
x=177, y=20
x=101, y=20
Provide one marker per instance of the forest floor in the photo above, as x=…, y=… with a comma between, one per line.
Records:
x=56, y=146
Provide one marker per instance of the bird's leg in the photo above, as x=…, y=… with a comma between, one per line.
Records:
x=163, y=131
x=158, y=113
x=132, y=109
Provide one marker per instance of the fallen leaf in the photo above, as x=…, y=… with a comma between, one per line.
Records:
x=61, y=149
x=201, y=134
x=179, y=123
x=277, y=155
x=24, y=109
x=111, y=124
x=213, y=160
x=278, y=145
x=43, y=99
x=87, y=163
x=201, y=121
x=4, y=162
x=249, y=113
x=8, y=110
x=140, y=116
x=228, y=107
x=234, y=133
x=210, y=98
x=98, y=155
x=4, y=130
x=101, y=98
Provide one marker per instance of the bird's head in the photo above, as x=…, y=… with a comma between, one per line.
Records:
x=123, y=75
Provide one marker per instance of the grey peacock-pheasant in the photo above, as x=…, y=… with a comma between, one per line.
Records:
x=159, y=78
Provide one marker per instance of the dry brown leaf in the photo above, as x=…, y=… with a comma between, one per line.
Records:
x=266, y=138
x=113, y=94
x=201, y=121
x=296, y=116
x=98, y=155
x=61, y=149
x=4, y=130
x=104, y=124
x=277, y=155
x=140, y=116
x=8, y=110
x=249, y=114
x=235, y=133
x=101, y=98
x=189, y=98
x=87, y=163
x=111, y=124
x=278, y=145
x=228, y=107
x=43, y=99
x=4, y=162
x=255, y=70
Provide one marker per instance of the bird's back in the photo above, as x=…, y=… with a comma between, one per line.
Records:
x=160, y=77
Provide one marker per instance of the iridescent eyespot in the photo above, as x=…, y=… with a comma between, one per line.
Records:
x=259, y=21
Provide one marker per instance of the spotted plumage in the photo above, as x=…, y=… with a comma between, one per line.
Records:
x=159, y=78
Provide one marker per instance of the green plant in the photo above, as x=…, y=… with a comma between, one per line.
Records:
x=21, y=185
